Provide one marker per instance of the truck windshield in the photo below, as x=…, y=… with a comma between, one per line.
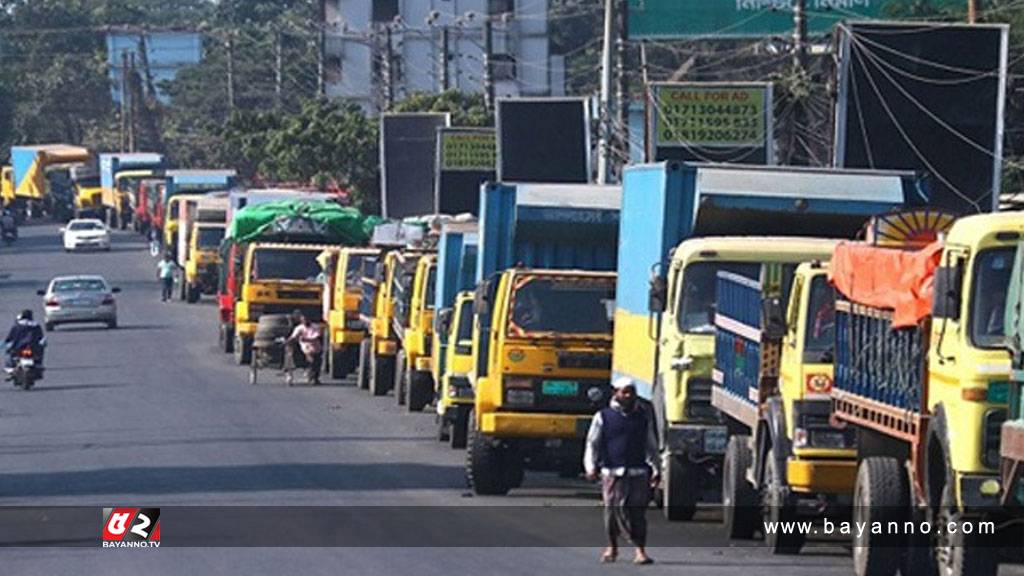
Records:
x=547, y=306
x=174, y=210
x=354, y=272
x=696, y=312
x=821, y=321
x=431, y=280
x=991, y=281
x=464, y=331
x=275, y=264
x=209, y=238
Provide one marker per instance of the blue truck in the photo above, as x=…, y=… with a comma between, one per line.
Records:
x=541, y=345
x=681, y=225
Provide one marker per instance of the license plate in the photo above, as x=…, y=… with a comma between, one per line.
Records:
x=28, y=362
x=559, y=388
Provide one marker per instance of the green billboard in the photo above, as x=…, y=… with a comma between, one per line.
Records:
x=752, y=18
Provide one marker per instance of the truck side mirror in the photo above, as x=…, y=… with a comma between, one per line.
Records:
x=773, y=318
x=444, y=321
x=481, y=307
x=946, y=299
x=656, y=294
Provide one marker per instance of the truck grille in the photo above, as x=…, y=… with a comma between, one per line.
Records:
x=698, y=399
x=993, y=425
x=578, y=403
x=299, y=294
x=593, y=360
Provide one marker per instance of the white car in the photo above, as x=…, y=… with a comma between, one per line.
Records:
x=85, y=233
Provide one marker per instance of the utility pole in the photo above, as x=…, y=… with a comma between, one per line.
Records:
x=488, y=64
x=972, y=11
x=389, y=69
x=230, y=45
x=124, y=101
x=798, y=81
x=445, y=81
x=604, y=102
x=278, y=76
x=132, y=102
x=622, y=89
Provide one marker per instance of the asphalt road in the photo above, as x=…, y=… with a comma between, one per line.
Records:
x=151, y=414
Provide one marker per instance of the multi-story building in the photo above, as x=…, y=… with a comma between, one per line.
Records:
x=359, y=64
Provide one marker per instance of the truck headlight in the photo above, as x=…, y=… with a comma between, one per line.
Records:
x=595, y=394
x=519, y=397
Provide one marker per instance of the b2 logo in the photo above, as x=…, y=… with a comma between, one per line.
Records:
x=131, y=527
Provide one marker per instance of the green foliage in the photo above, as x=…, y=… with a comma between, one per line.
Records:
x=466, y=109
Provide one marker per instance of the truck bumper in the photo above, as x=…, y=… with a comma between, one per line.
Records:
x=343, y=338
x=696, y=439
x=980, y=492
x=522, y=425
x=245, y=328
x=821, y=476
x=386, y=348
x=423, y=364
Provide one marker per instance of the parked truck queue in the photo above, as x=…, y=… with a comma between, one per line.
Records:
x=811, y=343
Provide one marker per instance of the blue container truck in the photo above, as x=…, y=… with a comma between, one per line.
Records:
x=117, y=204
x=682, y=224
x=542, y=328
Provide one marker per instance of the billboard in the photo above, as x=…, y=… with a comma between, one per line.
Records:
x=466, y=158
x=906, y=101
x=543, y=140
x=754, y=18
x=711, y=122
x=408, y=143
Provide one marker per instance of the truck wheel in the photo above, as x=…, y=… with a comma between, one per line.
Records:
x=740, y=513
x=226, y=339
x=459, y=429
x=192, y=293
x=485, y=469
x=338, y=364
x=444, y=428
x=401, y=386
x=363, y=371
x=881, y=494
x=420, y=391
x=681, y=484
x=243, y=350
x=182, y=287
x=382, y=374
x=778, y=508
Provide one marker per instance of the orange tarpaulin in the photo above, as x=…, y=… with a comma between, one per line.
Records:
x=889, y=278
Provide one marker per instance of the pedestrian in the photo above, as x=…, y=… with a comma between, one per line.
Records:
x=154, y=242
x=622, y=449
x=310, y=340
x=165, y=272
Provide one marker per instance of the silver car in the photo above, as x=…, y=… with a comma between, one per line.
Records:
x=79, y=299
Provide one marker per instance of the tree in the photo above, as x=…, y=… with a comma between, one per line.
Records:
x=466, y=109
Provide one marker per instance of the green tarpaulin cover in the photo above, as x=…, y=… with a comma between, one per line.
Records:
x=334, y=223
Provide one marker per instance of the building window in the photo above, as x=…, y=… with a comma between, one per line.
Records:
x=503, y=67
x=385, y=10
x=500, y=6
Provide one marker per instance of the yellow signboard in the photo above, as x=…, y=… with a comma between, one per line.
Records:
x=711, y=115
x=468, y=151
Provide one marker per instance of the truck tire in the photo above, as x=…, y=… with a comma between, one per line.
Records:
x=740, y=511
x=363, y=369
x=459, y=428
x=680, y=486
x=485, y=464
x=444, y=428
x=192, y=293
x=420, y=391
x=338, y=364
x=243, y=350
x=881, y=494
x=182, y=287
x=401, y=387
x=226, y=338
x=779, y=507
x=382, y=374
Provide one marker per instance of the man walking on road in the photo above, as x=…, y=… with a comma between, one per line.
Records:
x=622, y=447
x=165, y=272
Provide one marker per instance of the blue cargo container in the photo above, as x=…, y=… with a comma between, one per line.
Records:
x=456, y=270
x=188, y=181
x=111, y=164
x=666, y=203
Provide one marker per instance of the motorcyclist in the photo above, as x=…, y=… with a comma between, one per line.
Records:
x=25, y=334
x=8, y=225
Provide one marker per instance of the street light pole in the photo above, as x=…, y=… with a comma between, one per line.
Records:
x=604, y=107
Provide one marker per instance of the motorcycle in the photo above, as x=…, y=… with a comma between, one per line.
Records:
x=26, y=370
x=9, y=235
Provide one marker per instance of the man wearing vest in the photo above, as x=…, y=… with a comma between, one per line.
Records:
x=622, y=447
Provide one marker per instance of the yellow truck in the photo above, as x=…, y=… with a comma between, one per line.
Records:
x=203, y=262
x=454, y=391
x=345, y=332
x=542, y=330
x=414, y=327
x=277, y=278
x=923, y=376
x=669, y=255
x=7, y=186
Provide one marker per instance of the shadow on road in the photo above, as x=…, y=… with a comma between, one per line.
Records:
x=42, y=387
x=242, y=478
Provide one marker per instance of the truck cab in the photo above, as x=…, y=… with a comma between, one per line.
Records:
x=176, y=206
x=454, y=391
x=414, y=325
x=277, y=278
x=542, y=345
x=378, y=363
x=345, y=329
x=203, y=260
